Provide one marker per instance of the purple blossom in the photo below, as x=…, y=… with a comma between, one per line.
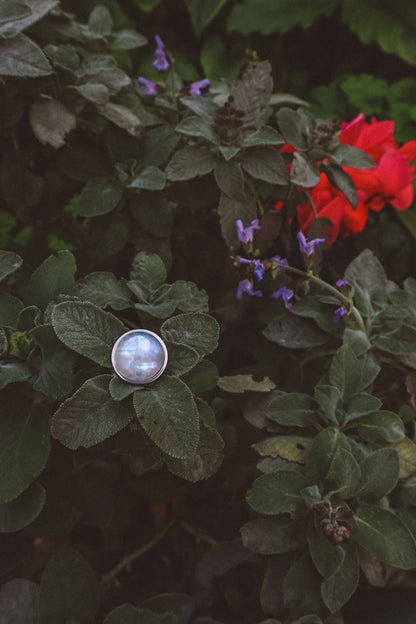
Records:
x=245, y=235
x=258, y=267
x=339, y=313
x=150, y=87
x=245, y=286
x=340, y=284
x=308, y=248
x=195, y=87
x=279, y=261
x=161, y=63
x=286, y=294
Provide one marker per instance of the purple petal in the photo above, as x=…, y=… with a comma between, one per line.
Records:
x=258, y=270
x=195, y=87
x=339, y=313
x=245, y=286
x=308, y=248
x=286, y=294
x=150, y=87
x=161, y=63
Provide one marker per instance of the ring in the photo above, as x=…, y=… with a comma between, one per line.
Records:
x=139, y=356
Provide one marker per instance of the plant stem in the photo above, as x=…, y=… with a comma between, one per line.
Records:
x=126, y=562
x=198, y=534
x=332, y=290
x=314, y=209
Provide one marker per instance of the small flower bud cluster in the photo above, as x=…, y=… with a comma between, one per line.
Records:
x=228, y=121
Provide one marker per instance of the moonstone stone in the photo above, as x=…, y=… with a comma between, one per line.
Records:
x=139, y=356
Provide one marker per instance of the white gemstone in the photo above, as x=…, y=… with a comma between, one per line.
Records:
x=139, y=356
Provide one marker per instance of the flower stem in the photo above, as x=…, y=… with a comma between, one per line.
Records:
x=313, y=278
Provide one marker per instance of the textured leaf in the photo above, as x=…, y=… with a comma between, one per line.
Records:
x=231, y=209
x=19, y=601
x=349, y=156
x=34, y=12
x=53, y=277
x=128, y=40
x=367, y=270
x=265, y=164
x=168, y=414
x=9, y=263
x=276, y=493
x=252, y=91
x=303, y=173
x=406, y=450
x=385, y=536
x=148, y=270
x=94, y=92
x=13, y=372
x=342, y=181
x=327, y=557
x=127, y=614
x=104, y=289
x=382, y=425
x=23, y=510
x=194, y=329
x=244, y=383
x=120, y=389
x=69, y=591
x=292, y=448
x=272, y=536
x=293, y=128
x=121, y=116
x=190, y=162
x=344, y=471
x=294, y=333
x=338, y=588
x=345, y=372
x=55, y=374
x=150, y=179
x=229, y=178
x=24, y=448
x=265, y=135
x=10, y=307
x=90, y=415
x=379, y=473
x=87, y=330
x=182, y=359
x=324, y=447
x=51, y=121
x=99, y=196
x=292, y=409
x=22, y=58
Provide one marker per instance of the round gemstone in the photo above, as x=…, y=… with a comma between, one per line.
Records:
x=139, y=356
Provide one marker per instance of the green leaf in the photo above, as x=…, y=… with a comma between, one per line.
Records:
x=182, y=359
x=194, y=329
x=243, y=383
x=120, y=389
x=356, y=340
x=367, y=271
x=391, y=26
x=272, y=536
x=150, y=179
x=55, y=276
x=13, y=373
x=203, y=378
x=190, y=162
x=303, y=173
x=9, y=263
x=276, y=493
x=329, y=399
x=265, y=135
x=349, y=156
x=100, y=20
x=104, y=289
x=293, y=409
x=87, y=330
x=385, y=536
x=293, y=128
x=406, y=450
x=24, y=448
x=149, y=270
x=345, y=372
x=338, y=588
x=99, y=196
x=159, y=143
x=278, y=16
x=344, y=471
x=382, y=425
x=152, y=212
x=19, y=601
x=23, y=510
x=301, y=587
x=99, y=94
x=10, y=307
x=292, y=448
x=229, y=178
x=69, y=591
x=22, y=58
x=294, y=333
x=203, y=107
x=323, y=450
x=400, y=341
x=231, y=209
x=326, y=556
x=361, y=405
x=90, y=415
x=168, y=414
x=127, y=614
x=265, y=164
x=188, y=297
x=55, y=374
x=252, y=91
x=128, y=40
x=379, y=473
x=203, y=12
x=195, y=126
x=343, y=182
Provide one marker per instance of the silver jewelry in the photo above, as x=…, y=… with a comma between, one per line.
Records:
x=139, y=356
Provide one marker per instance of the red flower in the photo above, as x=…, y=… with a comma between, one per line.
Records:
x=391, y=181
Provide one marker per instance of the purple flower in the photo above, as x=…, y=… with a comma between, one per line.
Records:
x=161, y=63
x=340, y=284
x=286, y=294
x=245, y=235
x=258, y=270
x=150, y=87
x=279, y=261
x=245, y=286
x=195, y=87
x=339, y=313
x=308, y=248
